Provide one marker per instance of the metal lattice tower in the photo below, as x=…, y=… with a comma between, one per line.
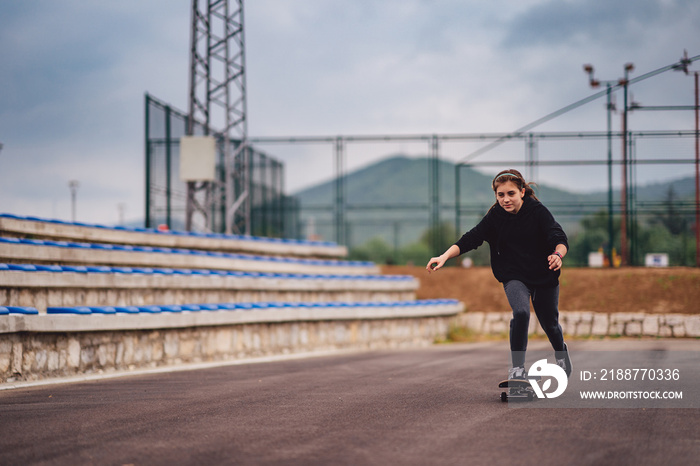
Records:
x=218, y=101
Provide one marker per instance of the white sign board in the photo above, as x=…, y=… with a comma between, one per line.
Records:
x=656, y=260
x=596, y=259
x=197, y=158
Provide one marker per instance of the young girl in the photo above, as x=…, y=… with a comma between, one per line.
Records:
x=527, y=248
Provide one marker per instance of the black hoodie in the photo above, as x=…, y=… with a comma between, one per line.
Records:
x=520, y=243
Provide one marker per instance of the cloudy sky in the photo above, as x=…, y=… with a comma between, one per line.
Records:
x=74, y=74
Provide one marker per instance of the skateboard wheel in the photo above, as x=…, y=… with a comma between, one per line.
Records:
x=504, y=396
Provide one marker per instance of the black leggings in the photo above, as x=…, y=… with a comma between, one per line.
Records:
x=545, y=301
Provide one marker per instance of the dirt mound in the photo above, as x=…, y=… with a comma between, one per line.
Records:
x=650, y=290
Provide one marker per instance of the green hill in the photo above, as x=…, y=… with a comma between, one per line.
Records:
x=390, y=199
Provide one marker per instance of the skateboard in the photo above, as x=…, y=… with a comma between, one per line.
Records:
x=518, y=390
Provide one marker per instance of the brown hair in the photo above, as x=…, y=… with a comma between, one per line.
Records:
x=516, y=177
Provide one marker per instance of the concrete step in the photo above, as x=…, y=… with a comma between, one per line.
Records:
x=39, y=228
x=70, y=253
x=84, y=319
x=42, y=286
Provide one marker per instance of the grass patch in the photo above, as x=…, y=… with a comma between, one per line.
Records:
x=461, y=334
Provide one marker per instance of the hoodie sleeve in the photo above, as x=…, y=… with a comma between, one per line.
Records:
x=553, y=231
x=474, y=237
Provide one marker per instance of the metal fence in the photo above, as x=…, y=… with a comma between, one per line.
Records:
x=619, y=164
x=273, y=214
x=627, y=202
x=538, y=155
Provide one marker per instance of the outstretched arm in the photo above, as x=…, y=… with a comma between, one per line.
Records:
x=436, y=263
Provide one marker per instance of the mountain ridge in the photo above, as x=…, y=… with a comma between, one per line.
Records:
x=393, y=193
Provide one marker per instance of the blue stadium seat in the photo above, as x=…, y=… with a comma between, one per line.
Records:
x=122, y=270
x=49, y=268
x=107, y=246
x=126, y=309
x=78, y=245
x=102, y=246
x=22, y=267
x=99, y=269
x=244, y=306
x=171, y=308
x=103, y=309
x=75, y=268
x=247, y=306
x=149, y=309
x=206, y=272
x=191, y=307
x=228, y=306
x=81, y=310
x=208, y=307
x=27, y=310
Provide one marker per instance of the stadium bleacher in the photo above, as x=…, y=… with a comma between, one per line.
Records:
x=92, y=287
x=51, y=229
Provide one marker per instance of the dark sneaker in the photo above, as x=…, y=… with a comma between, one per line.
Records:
x=565, y=362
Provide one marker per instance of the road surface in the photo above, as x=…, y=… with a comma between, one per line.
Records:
x=438, y=405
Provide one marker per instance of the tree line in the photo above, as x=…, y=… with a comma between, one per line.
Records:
x=669, y=230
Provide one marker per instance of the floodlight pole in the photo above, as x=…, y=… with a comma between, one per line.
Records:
x=624, y=191
x=610, y=107
x=217, y=82
x=697, y=174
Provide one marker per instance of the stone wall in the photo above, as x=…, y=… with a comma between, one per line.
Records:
x=50, y=346
x=586, y=324
x=32, y=356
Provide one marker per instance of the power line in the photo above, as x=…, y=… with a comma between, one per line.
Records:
x=682, y=64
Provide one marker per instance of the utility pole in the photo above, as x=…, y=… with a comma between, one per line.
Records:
x=73, y=186
x=624, y=191
x=341, y=236
x=121, y=208
x=434, y=182
x=683, y=66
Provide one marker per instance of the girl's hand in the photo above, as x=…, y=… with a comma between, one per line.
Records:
x=435, y=264
x=555, y=262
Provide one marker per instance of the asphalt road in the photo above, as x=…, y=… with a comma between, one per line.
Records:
x=430, y=406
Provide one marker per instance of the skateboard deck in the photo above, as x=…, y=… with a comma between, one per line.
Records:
x=518, y=390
